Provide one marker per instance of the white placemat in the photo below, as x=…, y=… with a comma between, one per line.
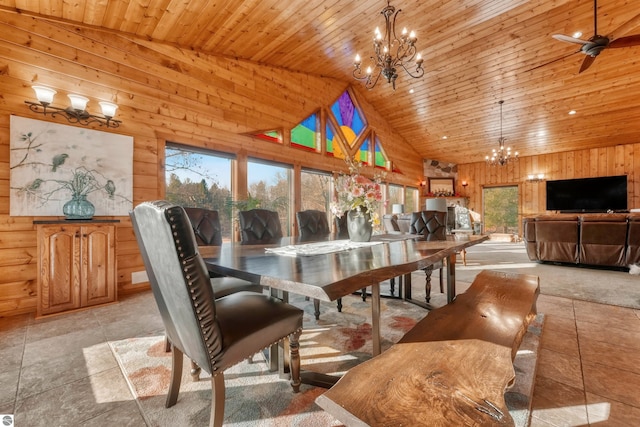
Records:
x=319, y=248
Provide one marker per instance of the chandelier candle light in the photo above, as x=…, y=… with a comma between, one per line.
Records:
x=391, y=53
x=502, y=155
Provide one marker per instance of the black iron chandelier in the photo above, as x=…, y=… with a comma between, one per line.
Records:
x=391, y=53
x=502, y=155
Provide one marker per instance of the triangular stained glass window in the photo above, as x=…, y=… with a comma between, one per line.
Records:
x=362, y=154
x=348, y=117
x=305, y=135
x=333, y=146
x=270, y=135
x=381, y=160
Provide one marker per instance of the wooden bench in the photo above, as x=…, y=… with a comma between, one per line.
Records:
x=452, y=368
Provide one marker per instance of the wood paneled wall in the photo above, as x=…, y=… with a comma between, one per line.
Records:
x=164, y=93
x=606, y=161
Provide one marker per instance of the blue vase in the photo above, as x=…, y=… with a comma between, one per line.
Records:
x=359, y=226
x=78, y=208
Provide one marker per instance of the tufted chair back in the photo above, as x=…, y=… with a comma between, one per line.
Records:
x=312, y=223
x=259, y=226
x=431, y=224
x=206, y=226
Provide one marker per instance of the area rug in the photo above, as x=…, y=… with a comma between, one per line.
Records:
x=257, y=397
x=599, y=285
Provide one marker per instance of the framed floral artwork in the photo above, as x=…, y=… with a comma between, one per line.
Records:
x=51, y=163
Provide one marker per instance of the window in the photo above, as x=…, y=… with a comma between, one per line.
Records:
x=500, y=210
x=395, y=196
x=317, y=190
x=270, y=187
x=411, y=200
x=200, y=179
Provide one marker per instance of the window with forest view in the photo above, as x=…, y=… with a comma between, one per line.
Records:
x=395, y=197
x=202, y=180
x=270, y=187
x=500, y=210
x=316, y=191
x=411, y=200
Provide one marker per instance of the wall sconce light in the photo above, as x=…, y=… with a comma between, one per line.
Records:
x=77, y=112
x=464, y=184
x=535, y=177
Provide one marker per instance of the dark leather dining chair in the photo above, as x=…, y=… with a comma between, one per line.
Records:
x=259, y=227
x=313, y=225
x=208, y=232
x=432, y=225
x=340, y=223
x=215, y=333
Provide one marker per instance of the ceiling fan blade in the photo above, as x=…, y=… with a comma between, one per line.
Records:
x=626, y=27
x=569, y=39
x=626, y=41
x=552, y=61
x=588, y=60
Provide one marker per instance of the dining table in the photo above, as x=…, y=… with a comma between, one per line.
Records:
x=329, y=269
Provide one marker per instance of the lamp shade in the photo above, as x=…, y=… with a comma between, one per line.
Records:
x=78, y=102
x=397, y=208
x=44, y=94
x=437, y=204
x=108, y=108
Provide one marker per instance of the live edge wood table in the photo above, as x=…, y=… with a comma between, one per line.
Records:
x=335, y=275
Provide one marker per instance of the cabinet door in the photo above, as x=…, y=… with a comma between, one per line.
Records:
x=59, y=281
x=98, y=265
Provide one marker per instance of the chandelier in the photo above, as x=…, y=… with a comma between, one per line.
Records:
x=391, y=53
x=502, y=155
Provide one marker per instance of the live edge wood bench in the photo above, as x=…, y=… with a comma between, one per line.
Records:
x=451, y=369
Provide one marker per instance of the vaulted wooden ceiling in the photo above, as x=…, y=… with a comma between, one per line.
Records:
x=476, y=52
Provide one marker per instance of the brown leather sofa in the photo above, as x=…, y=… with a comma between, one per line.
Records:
x=609, y=240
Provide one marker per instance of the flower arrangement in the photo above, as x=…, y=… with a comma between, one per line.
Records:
x=357, y=192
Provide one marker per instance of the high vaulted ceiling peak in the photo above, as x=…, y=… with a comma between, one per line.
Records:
x=476, y=52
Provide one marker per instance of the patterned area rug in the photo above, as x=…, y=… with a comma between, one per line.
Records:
x=257, y=397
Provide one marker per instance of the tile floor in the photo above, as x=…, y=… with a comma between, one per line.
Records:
x=60, y=371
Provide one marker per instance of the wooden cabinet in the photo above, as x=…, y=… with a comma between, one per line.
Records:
x=76, y=265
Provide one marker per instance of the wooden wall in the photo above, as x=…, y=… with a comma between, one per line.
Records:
x=617, y=160
x=164, y=93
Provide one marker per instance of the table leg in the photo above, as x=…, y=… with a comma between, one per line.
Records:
x=451, y=278
x=375, y=318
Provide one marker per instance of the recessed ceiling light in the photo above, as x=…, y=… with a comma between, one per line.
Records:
x=444, y=137
x=572, y=112
x=410, y=90
x=577, y=34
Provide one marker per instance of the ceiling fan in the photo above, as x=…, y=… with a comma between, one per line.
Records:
x=596, y=44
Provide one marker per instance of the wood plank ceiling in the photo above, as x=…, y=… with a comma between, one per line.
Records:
x=476, y=53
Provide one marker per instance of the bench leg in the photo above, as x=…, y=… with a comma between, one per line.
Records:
x=339, y=305
x=316, y=308
x=392, y=282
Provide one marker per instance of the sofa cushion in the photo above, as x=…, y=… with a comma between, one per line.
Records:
x=603, y=239
x=557, y=240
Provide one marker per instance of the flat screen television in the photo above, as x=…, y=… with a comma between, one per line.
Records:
x=599, y=194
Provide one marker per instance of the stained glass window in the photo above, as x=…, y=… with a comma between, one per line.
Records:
x=381, y=160
x=306, y=135
x=270, y=135
x=348, y=117
x=363, y=152
x=333, y=146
